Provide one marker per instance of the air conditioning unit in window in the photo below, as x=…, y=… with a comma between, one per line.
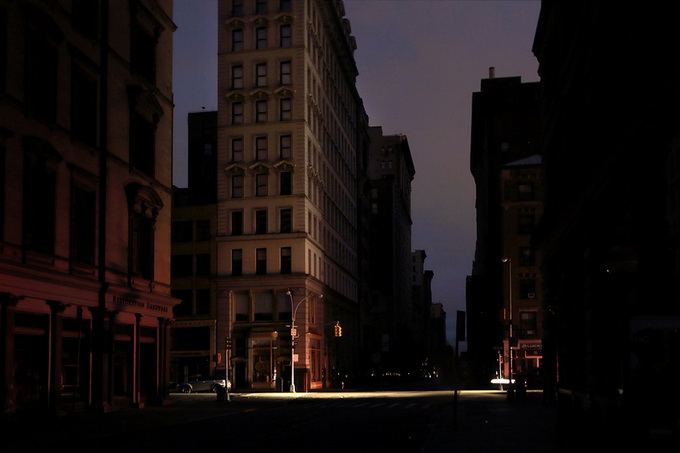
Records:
x=531, y=295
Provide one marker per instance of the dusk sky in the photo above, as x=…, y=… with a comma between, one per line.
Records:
x=419, y=62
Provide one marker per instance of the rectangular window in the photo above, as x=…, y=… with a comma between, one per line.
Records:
x=203, y=230
x=286, y=220
x=242, y=308
x=261, y=38
x=526, y=256
x=525, y=191
x=40, y=75
x=85, y=14
x=237, y=113
x=39, y=204
x=264, y=307
x=261, y=221
x=185, y=307
x=261, y=75
x=83, y=220
x=237, y=186
x=237, y=262
x=237, y=40
x=261, y=148
x=261, y=111
x=181, y=265
x=261, y=7
x=237, y=150
x=143, y=52
x=527, y=288
x=285, y=70
x=285, y=5
x=286, y=35
x=261, y=180
x=236, y=223
x=286, y=183
x=528, y=323
x=286, y=146
x=237, y=8
x=286, y=108
x=261, y=261
x=283, y=307
x=525, y=224
x=142, y=144
x=237, y=77
x=202, y=301
x=83, y=106
x=142, y=246
x=182, y=231
x=286, y=260
x=203, y=264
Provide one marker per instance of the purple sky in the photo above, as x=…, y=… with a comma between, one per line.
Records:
x=419, y=62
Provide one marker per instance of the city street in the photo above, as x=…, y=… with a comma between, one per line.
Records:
x=420, y=419
x=397, y=421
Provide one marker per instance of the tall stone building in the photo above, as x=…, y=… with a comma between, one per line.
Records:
x=291, y=133
x=504, y=286
x=392, y=337
x=85, y=192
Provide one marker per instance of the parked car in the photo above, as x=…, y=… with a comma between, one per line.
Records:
x=208, y=384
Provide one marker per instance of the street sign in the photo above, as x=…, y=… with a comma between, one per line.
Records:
x=295, y=357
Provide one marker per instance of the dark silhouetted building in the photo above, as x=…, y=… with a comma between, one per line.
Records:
x=503, y=297
x=610, y=233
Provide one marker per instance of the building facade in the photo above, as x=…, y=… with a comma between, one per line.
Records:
x=502, y=289
x=392, y=339
x=85, y=195
x=289, y=131
x=609, y=233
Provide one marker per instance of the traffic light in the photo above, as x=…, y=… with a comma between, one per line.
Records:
x=227, y=343
x=338, y=329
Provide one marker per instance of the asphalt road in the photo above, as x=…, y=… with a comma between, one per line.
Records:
x=328, y=422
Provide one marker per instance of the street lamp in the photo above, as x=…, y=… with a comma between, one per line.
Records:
x=293, y=334
x=510, y=334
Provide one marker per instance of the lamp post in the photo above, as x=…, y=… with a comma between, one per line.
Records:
x=510, y=333
x=293, y=334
